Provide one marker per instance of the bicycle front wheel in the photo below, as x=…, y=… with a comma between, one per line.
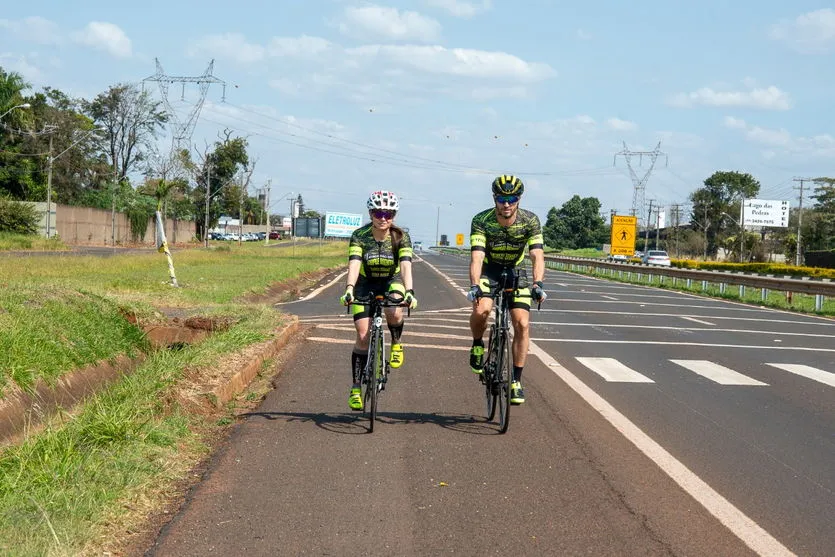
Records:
x=489, y=374
x=504, y=376
x=376, y=375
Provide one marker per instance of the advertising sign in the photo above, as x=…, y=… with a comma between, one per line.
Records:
x=623, y=234
x=342, y=225
x=765, y=212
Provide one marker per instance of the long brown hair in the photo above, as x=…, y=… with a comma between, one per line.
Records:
x=396, y=238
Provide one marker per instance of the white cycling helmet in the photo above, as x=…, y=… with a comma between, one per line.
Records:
x=383, y=199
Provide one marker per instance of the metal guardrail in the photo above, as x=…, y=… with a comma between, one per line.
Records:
x=819, y=288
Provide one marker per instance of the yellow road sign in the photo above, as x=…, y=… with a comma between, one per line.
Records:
x=623, y=234
x=459, y=239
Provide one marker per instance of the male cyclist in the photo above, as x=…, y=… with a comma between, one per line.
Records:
x=498, y=238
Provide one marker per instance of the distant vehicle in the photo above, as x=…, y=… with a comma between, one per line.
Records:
x=618, y=257
x=418, y=246
x=656, y=257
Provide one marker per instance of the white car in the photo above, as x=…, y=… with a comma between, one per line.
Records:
x=656, y=257
x=618, y=258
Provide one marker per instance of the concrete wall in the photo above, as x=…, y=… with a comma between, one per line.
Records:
x=97, y=227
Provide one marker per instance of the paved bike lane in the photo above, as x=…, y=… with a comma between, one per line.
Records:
x=301, y=475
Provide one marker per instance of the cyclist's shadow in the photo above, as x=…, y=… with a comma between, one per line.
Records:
x=355, y=423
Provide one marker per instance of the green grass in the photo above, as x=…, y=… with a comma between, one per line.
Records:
x=79, y=484
x=59, y=313
x=61, y=489
x=29, y=242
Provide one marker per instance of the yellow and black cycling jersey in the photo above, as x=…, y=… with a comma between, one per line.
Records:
x=505, y=245
x=378, y=260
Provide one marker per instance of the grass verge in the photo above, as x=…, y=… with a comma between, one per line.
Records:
x=88, y=479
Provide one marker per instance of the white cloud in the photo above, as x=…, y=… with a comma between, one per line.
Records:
x=621, y=125
x=234, y=46
x=381, y=22
x=33, y=29
x=770, y=98
x=583, y=35
x=298, y=46
x=105, y=36
x=31, y=73
x=782, y=141
x=461, y=8
x=812, y=32
x=457, y=61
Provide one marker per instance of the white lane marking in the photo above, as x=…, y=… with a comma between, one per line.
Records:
x=751, y=533
x=726, y=317
x=447, y=278
x=609, y=298
x=808, y=372
x=613, y=371
x=648, y=303
x=409, y=346
x=696, y=320
x=679, y=343
x=697, y=329
x=406, y=334
x=717, y=373
x=315, y=292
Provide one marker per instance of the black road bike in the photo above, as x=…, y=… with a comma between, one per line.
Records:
x=497, y=374
x=375, y=375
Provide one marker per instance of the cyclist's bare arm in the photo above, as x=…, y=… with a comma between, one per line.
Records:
x=353, y=271
x=538, y=264
x=476, y=263
x=406, y=272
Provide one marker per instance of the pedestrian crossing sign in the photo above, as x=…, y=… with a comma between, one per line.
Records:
x=624, y=228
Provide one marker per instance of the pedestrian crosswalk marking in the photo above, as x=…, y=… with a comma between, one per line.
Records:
x=717, y=373
x=809, y=372
x=613, y=371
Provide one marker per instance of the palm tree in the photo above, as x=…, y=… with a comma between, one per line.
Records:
x=12, y=86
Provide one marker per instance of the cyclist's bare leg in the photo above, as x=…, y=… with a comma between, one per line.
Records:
x=480, y=316
x=521, y=337
x=361, y=341
x=394, y=319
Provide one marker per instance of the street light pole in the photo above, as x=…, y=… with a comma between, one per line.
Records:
x=206, y=217
x=24, y=106
x=49, y=160
x=437, y=226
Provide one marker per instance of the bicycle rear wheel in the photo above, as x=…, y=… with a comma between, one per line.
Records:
x=369, y=385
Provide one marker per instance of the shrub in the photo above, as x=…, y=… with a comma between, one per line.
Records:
x=18, y=217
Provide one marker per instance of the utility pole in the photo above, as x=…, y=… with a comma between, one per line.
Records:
x=675, y=214
x=49, y=160
x=267, y=212
x=705, y=231
x=741, y=228
x=646, y=232
x=640, y=184
x=800, y=218
x=208, y=196
x=241, y=213
x=657, y=224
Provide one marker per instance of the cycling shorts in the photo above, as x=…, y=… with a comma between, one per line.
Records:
x=365, y=285
x=490, y=283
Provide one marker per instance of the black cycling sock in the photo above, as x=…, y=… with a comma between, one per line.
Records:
x=517, y=373
x=396, y=331
x=478, y=342
x=358, y=361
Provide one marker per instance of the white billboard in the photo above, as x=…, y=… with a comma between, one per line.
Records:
x=342, y=224
x=765, y=212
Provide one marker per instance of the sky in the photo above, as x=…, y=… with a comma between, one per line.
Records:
x=433, y=98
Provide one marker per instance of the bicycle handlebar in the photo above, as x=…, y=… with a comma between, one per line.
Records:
x=390, y=300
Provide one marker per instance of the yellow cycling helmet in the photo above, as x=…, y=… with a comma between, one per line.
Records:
x=508, y=185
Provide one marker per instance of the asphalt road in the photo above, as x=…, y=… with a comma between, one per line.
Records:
x=656, y=423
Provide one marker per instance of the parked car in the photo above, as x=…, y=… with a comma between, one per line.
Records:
x=656, y=257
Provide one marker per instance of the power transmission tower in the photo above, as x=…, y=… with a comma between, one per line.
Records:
x=640, y=184
x=800, y=218
x=183, y=129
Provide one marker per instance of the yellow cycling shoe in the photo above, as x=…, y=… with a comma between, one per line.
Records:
x=355, y=399
x=396, y=356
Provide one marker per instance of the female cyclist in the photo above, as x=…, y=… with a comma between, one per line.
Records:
x=379, y=259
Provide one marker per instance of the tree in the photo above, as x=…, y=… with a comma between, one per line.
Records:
x=577, y=224
x=15, y=169
x=722, y=193
x=131, y=120
x=219, y=169
x=821, y=235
